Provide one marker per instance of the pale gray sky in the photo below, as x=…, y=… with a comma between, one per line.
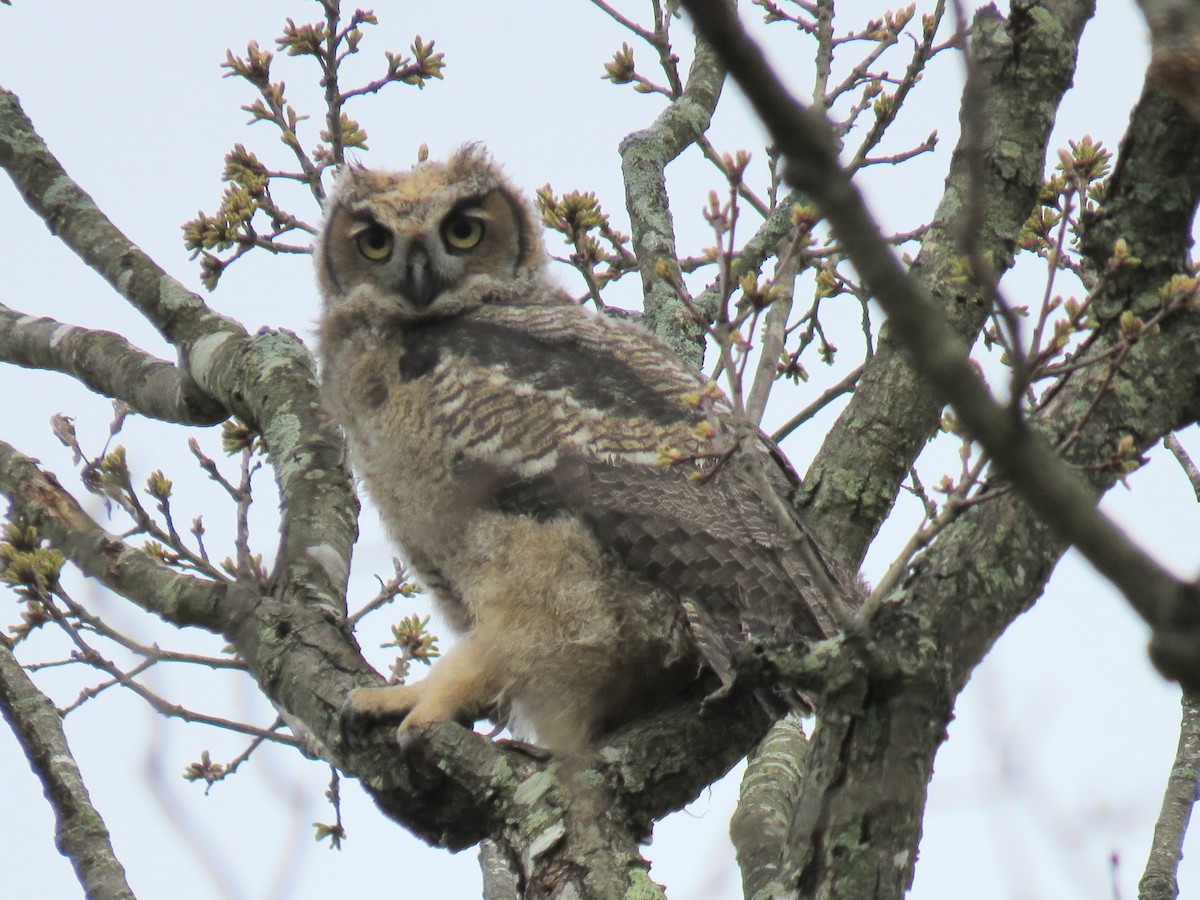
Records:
x=1064, y=738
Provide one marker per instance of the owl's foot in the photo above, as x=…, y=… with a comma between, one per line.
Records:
x=414, y=706
x=367, y=707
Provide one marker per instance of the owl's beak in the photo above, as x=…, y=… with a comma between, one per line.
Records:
x=421, y=283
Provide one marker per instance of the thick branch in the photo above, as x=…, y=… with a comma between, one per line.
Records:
x=770, y=789
x=665, y=762
x=79, y=834
x=299, y=653
x=938, y=352
x=500, y=879
x=273, y=377
x=1022, y=74
x=1150, y=204
x=574, y=837
x=109, y=365
x=1160, y=881
x=644, y=158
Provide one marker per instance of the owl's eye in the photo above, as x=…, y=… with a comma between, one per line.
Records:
x=462, y=232
x=375, y=243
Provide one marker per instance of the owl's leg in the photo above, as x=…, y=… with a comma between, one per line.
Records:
x=460, y=687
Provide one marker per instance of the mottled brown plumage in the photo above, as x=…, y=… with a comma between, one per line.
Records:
x=591, y=518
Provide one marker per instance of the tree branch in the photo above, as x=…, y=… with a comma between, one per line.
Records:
x=939, y=353
x=1159, y=882
x=1022, y=75
x=500, y=878
x=665, y=762
x=769, y=791
x=1186, y=463
x=109, y=365
x=79, y=834
x=773, y=333
x=37, y=497
x=846, y=385
x=644, y=158
x=273, y=377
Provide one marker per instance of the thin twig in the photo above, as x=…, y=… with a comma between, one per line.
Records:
x=164, y=707
x=924, y=52
x=625, y=21
x=958, y=501
x=827, y=396
x=1189, y=467
x=388, y=590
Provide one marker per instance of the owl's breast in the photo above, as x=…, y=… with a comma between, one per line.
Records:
x=404, y=455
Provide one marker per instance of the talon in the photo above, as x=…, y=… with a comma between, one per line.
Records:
x=407, y=738
x=354, y=724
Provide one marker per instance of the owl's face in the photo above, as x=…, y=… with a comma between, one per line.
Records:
x=428, y=242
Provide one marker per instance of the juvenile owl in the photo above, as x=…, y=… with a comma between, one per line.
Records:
x=581, y=503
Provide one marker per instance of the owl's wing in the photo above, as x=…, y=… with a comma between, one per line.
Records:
x=717, y=545
x=556, y=410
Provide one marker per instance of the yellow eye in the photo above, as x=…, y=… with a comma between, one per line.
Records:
x=375, y=243
x=462, y=232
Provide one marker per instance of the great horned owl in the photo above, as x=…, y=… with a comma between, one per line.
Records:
x=578, y=499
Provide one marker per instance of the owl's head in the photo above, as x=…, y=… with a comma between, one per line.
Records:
x=428, y=242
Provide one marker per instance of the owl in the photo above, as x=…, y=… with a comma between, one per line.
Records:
x=590, y=516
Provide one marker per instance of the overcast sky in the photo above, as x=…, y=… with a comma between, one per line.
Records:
x=1061, y=743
